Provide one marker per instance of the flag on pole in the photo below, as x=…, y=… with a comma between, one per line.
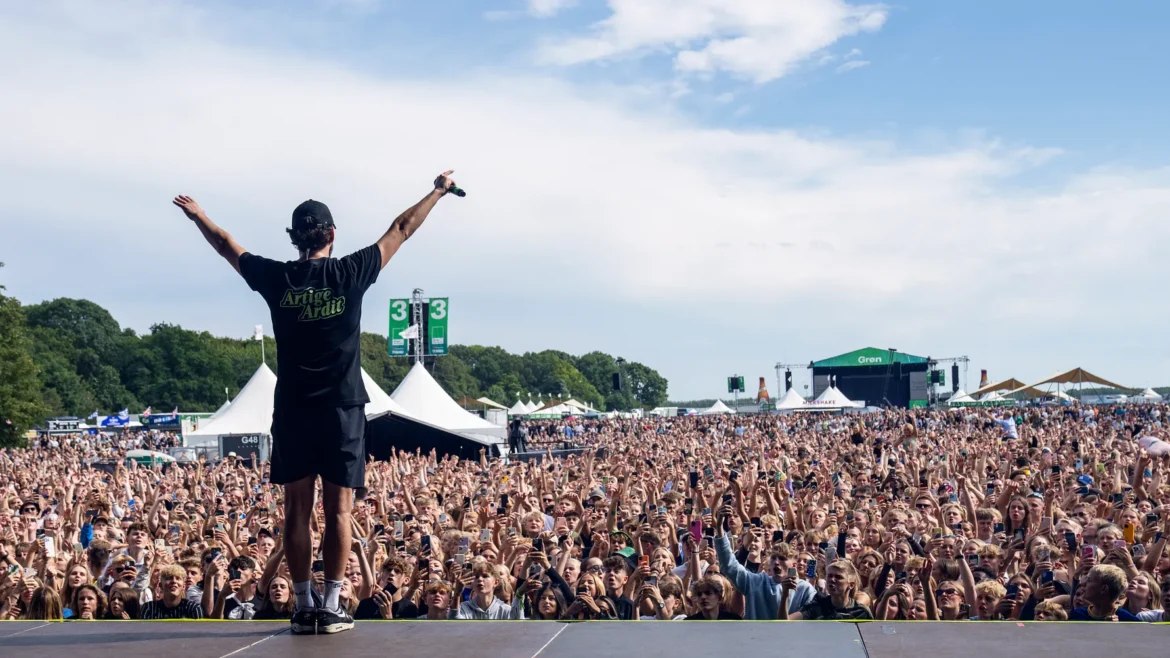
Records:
x=146, y=412
x=93, y=415
x=259, y=335
x=411, y=332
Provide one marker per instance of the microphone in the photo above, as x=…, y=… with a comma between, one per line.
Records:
x=457, y=191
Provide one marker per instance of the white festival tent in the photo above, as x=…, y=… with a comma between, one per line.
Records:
x=718, y=408
x=518, y=409
x=1148, y=395
x=960, y=397
x=790, y=401
x=424, y=399
x=830, y=399
x=249, y=413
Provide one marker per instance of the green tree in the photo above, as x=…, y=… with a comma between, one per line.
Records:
x=22, y=404
x=647, y=386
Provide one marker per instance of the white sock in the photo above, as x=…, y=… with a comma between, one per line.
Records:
x=332, y=594
x=304, y=595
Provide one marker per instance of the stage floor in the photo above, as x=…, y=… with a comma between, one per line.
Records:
x=584, y=640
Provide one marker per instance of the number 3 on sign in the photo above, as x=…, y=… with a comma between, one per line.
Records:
x=438, y=309
x=398, y=310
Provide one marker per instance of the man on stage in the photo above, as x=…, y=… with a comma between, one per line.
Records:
x=319, y=422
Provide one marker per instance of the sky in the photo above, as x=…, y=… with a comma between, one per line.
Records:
x=708, y=187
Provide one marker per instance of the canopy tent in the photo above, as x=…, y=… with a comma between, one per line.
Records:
x=556, y=411
x=718, y=408
x=489, y=403
x=1148, y=395
x=149, y=457
x=790, y=401
x=830, y=399
x=1080, y=376
x=1005, y=385
x=249, y=413
x=222, y=408
x=580, y=405
x=960, y=397
x=389, y=426
x=993, y=396
x=518, y=409
x=426, y=401
x=530, y=406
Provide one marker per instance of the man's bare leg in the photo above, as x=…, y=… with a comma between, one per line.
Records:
x=298, y=538
x=338, y=539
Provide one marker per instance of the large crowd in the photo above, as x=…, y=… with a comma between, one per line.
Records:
x=1036, y=513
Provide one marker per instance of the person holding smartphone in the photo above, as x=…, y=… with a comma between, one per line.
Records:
x=761, y=591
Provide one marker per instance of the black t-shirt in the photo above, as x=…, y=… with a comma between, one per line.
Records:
x=625, y=608
x=821, y=607
x=724, y=615
x=316, y=308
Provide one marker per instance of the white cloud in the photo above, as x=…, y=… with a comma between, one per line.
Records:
x=725, y=97
x=548, y=8
x=852, y=64
x=760, y=41
x=855, y=52
x=574, y=197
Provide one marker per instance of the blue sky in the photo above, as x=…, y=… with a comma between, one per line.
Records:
x=705, y=186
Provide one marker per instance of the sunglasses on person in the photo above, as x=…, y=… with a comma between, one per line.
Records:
x=596, y=568
x=923, y=505
x=946, y=592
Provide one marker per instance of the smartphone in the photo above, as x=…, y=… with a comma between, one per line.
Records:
x=792, y=572
x=1151, y=519
x=733, y=475
x=849, y=516
x=777, y=536
x=756, y=522
x=318, y=566
x=727, y=498
x=810, y=570
x=1088, y=552
x=973, y=560
x=464, y=544
x=1070, y=538
x=1013, y=590
x=1129, y=532
x=1046, y=577
x=582, y=591
x=1043, y=555
x=426, y=544
x=643, y=561
x=1019, y=534
x=651, y=581
x=399, y=529
x=697, y=530
x=830, y=555
x=534, y=572
x=233, y=574
x=379, y=528
x=485, y=535
x=999, y=527
x=900, y=577
x=538, y=544
x=503, y=501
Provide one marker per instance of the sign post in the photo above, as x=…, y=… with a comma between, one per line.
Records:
x=437, y=312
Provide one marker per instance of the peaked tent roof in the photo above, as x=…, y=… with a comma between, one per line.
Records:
x=379, y=401
x=719, y=408
x=518, y=409
x=427, y=401
x=1006, y=385
x=487, y=402
x=791, y=400
x=830, y=398
x=530, y=406
x=250, y=412
x=960, y=396
x=1149, y=394
x=219, y=412
x=1080, y=376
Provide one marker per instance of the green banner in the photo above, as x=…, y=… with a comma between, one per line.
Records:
x=438, y=311
x=399, y=322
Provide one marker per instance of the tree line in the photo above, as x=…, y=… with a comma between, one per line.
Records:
x=70, y=357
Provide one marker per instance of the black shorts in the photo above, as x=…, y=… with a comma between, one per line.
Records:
x=325, y=441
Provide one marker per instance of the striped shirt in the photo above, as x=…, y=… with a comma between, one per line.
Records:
x=159, y=610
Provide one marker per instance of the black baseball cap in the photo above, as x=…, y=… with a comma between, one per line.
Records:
x=311, y=214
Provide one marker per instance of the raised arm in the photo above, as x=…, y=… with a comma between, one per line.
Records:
x=220, y=240
x=408, y=222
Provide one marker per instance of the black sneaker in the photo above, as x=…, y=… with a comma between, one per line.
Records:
x=304, y=622
x=333, y=621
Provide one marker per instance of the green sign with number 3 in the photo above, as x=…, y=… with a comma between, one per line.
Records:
x=438, y=310
x=399, y=322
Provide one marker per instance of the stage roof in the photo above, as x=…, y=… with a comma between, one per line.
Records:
x=867, y=356
x=1006, y=385
x=1080, y=376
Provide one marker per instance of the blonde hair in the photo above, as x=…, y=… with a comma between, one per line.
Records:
x=1113, y=578
x=1053, y=609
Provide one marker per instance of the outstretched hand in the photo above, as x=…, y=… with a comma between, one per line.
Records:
x=443, y=182
x=189, y=206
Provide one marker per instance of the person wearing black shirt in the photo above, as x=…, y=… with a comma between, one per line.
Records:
x=173, y=604
x=841, y=582
x=318, y=420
